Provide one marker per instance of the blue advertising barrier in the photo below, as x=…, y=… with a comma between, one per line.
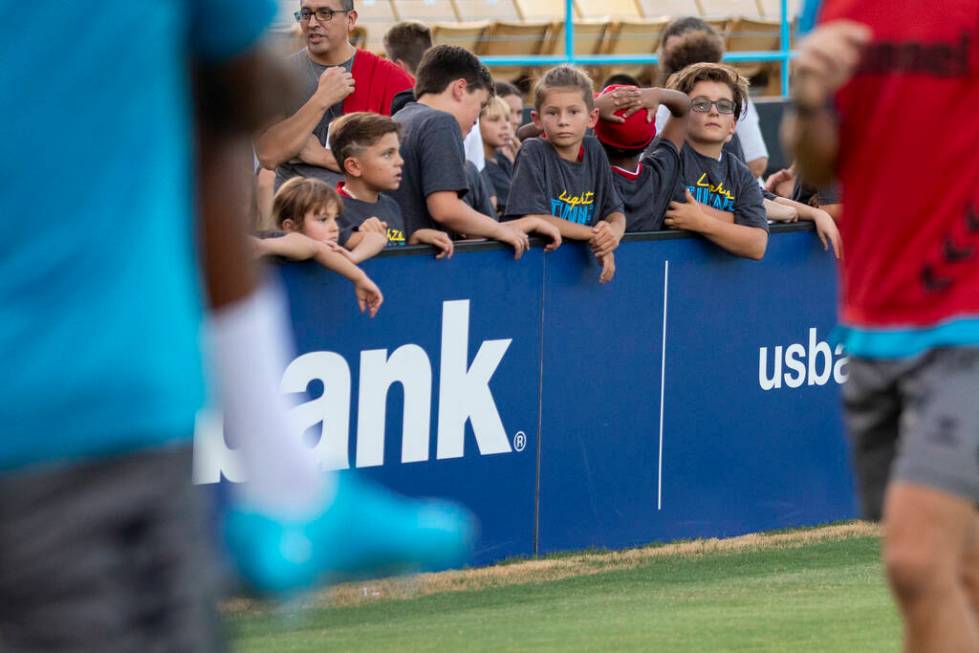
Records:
x=728, y=457
x=543, y=401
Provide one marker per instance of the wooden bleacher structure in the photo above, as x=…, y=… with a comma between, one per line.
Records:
x=534, y=27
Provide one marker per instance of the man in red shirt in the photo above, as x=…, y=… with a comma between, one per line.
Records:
x=886, y=96
x=337, y=79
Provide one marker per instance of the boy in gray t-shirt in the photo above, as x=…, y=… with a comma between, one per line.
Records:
x=367, y=147
x=712, y=177
x=451, y=87
x=566, y=179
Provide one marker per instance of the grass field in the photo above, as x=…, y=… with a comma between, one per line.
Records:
x=819, y=590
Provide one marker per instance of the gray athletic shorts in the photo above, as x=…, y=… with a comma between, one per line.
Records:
x=915, y=421
x=106, y=556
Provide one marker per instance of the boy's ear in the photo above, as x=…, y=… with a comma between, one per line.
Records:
x=459, y=88
x=593, y=118
x=535, y=117
x=289, y=225
x=352, y=167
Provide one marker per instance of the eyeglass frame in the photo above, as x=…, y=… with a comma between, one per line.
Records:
x=298, y=15
x=714, y=103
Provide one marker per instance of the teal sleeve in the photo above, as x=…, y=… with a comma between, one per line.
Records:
x=808, y=16
x=222, y=29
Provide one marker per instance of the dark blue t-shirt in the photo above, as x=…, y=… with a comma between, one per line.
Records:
x=579, y=191
x=385, y=209
x=647, y=191
x=434, y=161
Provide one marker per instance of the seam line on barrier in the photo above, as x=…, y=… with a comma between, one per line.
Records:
x=540, y=409
x=662, y=383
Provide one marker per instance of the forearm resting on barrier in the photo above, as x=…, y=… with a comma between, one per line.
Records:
x=607, y=234
x=568, y=230
x=448, y=210
x=775, y=210
x=825, y=225
x=742, y=240
x=367, y=245
x=293, y=246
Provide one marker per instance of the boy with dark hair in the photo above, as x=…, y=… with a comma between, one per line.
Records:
x=711, y=176
x=620, y=79
x=690, y=47
x=405, y=44
x=451, y=88
x=680, y=26
x=514, y=99
x=644, y=180
x=690, y=40
x=566, y=179
x=367, y=148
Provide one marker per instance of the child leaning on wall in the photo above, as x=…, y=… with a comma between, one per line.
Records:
x=451, y=88
x=645, y=180
x=710, y=176
x=367, y=147
x=305, y=210
x=564, y=178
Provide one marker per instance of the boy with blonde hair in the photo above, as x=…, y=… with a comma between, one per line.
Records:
x=564, y=178
x=497, y=131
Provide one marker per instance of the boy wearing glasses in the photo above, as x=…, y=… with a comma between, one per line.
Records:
x=710, y=176
x=337, y=78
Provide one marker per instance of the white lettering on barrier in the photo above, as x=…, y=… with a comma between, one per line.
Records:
x=813, y=366
x=409, y=366
x=464, y=396
x=331, y=409
x=464, y=393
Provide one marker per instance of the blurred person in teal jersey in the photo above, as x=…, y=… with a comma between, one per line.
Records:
x=106, y=163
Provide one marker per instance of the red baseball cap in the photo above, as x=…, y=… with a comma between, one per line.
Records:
x=634, y=134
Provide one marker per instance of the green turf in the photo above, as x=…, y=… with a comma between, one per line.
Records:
x=827, y=596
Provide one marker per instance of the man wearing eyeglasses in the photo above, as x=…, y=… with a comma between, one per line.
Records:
x=337, y=79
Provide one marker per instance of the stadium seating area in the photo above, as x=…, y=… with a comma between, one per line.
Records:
x=536, y=27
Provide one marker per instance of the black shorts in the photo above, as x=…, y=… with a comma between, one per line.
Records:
x=915, y=421
x=107, y=556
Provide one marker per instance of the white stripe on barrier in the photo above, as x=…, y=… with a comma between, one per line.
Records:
x=662, y=382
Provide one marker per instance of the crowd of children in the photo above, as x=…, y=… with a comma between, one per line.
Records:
x=454, y=160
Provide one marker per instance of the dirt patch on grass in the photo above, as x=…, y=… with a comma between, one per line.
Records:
x=555, y=568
